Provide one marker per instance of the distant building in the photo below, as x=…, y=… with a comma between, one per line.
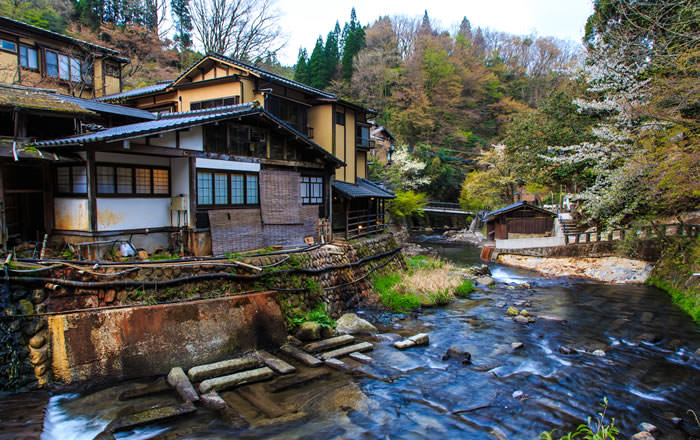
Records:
x=519, y=220
x=383, y=144
x=36, y=57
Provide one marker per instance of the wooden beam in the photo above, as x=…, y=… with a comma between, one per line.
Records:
x=92, y=190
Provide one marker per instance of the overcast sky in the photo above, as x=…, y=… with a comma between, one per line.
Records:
x=304, y=20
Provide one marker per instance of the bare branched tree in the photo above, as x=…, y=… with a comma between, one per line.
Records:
x=243, y=29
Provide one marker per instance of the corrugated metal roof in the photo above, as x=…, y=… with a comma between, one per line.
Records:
x=149, y=127
x=56, y=35
x=516, y=206
x=363, y=188
x=101, y=107
x=159, y=87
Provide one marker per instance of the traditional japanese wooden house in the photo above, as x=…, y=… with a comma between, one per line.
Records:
x=519, y=220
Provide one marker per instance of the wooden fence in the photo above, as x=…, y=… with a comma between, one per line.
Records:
x=657, y=231
x=360, y=223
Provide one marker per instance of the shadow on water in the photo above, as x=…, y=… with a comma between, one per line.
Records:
x=649, y=372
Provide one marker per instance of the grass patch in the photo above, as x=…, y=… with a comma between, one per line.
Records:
x=391, y=297
x=163, y=256
x=464, y=289
x=687, y=300
x=422, y=262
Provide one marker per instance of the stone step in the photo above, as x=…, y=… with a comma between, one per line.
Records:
x=301, y=356
x=413, y=341
x=327, y=344
x=202, y=372
x=277, y=364
x=362, y=346
x=359, y=357
x=297, y=380
x=130, y=421
x=356, y=371
x=232, y=380
x=179, y=380
x=262, y=402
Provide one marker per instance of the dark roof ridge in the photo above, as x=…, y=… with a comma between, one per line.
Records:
x=206, y=111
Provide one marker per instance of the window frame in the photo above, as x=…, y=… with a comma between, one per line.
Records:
x=5, y=40
x=28, y=48
x=133, y=194
x=339, y=117
x=71, y=62
x=200, y=104
x=229, y=205
x=70, y=193
x=310, y=184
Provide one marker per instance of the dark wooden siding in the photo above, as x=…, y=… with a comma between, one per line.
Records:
x=531, y=225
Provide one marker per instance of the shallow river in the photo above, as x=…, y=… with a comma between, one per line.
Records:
x=643, y=381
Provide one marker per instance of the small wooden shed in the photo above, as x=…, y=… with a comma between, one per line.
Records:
x=519, y=220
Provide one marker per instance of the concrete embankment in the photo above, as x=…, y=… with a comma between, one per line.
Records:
x=603, y=269
x=594, y=261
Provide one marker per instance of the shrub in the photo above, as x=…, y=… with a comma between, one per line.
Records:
x=318, y=315
x=597, y=430
x=464, y=289
x=441, y=297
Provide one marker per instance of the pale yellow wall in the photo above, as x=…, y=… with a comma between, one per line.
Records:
x=248, y=91
x=98, y=67
x=350, y=146
x=320, y=118
x=362, y=164
x=111, y=85
x=8, y=67
x=210, y=92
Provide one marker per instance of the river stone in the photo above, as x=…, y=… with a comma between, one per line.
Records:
x=309, y=331
x=420, y=339
x=512, y=311
x=643, y=436
x=179, y=380
x=516, y=345
x=39, y=356
x=599, y=353
x=37, y=341
x=566, y=349
x=517, y=394
x=485, y=281
x=521, y=319
x=648, y=427
x=458, y=354
x=351, y=323
x=524, y=312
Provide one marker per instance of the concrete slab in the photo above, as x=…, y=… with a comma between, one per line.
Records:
x=359, y=357
x=152, y=415
x=179, y=380
x=232, y=380
x=277, y=364
x=327, y=344
x=362, y=346
x=297, y=380
x=202, y=372
x=301, y=356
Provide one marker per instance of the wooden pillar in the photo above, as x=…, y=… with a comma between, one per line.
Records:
x=92, y=190
x=47, y=184
x=347, y=218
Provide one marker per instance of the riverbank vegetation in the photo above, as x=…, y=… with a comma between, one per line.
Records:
x=428, y=282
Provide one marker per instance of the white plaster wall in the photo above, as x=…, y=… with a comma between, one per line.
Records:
x=71, y=214
x=132, y=159
x=180, y=185
x=115, y=214
x=164, y=140
x=192, y=139
x=230, y=165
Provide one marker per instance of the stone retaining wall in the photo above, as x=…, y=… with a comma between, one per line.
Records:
x=26, y=350
x=647, y=251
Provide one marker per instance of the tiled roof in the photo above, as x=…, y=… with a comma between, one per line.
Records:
x=56, y=35
x=363, y=188
x=150, y=127
x=172, y=121
x=158, y=87
x=101, y=107
x=39, y=99
x=516, y=206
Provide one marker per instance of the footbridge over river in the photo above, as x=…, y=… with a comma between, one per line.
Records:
x=443, y=215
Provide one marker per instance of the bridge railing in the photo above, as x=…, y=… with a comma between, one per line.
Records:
x=658, y=231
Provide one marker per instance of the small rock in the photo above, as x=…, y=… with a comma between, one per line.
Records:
x=110, y=295
x=566, y=349
x=517, y=394
x=516, y=345
x=485, y=281
x=350, y=323
x=500, y=304
x=37, y=341
x=648, y=427
x=480, y=270
x=291, y=340
x=309, y=331
x=406, y=343
x=512, y=311
x=179, y=380
x=38, y=356
x=599, y=353
x=521, y=319
x=524, y=285
x=643, y=436
x=524, y=312
x=143, y=255
x=420, y=339
x=511, y=287
x=458, y=354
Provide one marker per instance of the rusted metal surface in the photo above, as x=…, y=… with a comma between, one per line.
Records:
x=149, y=340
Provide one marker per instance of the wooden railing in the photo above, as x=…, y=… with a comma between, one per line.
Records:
x=360, y=223
x=657, y=231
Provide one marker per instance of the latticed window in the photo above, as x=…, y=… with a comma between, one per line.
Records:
x=120, y=180
x=226, y=188
x=71, y=179
x=311, y=190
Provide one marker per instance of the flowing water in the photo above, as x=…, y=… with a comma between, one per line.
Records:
x=427, y=397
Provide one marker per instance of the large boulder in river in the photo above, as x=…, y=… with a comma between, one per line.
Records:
x=459, y=354
x=309, y=331
x=352, y=324
x=485, y=280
